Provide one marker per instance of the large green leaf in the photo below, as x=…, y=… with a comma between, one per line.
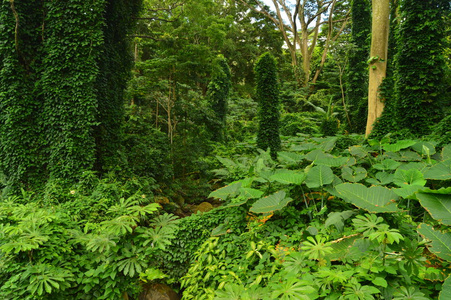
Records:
x=376, y=199
x=250, y=193
x=353, y=174
x=271, y=203
x=424, y=147
x=331, y=161
x=440, y=242
x=387, y=164
x=319, y=176
x=445, y=293
x=440, y=171
x=446, y=152
x=345, y=249
x=408, y=177
x=289, y=157
x=408, y=191
x=358, y=151
x=398, y=145
x=227, y=191
x=317, y=154
x=288, y=177
x=438, y=205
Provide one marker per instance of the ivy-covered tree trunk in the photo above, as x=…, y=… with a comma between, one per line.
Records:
x=72, y=44
x=114, y=71
x=59, y=79
x=267, y=93
x=357, y=74
x=420, y=65
x=21, y=158
x=378, y=59
x=218, y=93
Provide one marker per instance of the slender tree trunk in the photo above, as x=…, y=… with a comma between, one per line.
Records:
x=378, y=60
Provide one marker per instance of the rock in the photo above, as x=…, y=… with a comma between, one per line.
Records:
x=158, y=291
x=203, y=207
x=162, y=200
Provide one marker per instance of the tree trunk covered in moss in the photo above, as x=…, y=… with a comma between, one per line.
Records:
x=64, y=67
x=267, y=93
x=357, y=74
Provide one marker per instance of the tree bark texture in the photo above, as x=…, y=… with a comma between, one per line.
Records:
x=378, y=60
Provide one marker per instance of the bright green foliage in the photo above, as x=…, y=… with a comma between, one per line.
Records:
x=92, y=247
x=357, y=74
x=267, y=93
x=218, y=92
x=57, y=83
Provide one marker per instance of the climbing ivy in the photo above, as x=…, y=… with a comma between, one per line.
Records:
x=420, y=64
x=419, y=69
x=218, y=92
x=20, y=105
x=64, y=67
x=267, y=94
x=357, y=73
x=111, y=81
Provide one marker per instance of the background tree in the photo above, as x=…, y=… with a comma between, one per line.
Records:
x=267, y=94
x=218, y=93
x=309, y=14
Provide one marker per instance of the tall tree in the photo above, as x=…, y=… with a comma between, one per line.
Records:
x=218, y=92
x=356, y=73
x=54, y=85
x=378, y=60
x=420, y=65
x=418, y=96
x=267, y=93
x=310, y=15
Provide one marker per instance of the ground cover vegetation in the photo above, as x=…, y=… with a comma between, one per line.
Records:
x=209, y=147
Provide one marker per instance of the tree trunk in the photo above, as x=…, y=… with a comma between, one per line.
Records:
x=378, y=60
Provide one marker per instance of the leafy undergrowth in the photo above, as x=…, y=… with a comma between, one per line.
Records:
x=368, y=222
x=327, y=220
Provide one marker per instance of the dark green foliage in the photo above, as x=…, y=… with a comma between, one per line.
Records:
x=145, y=149
x=419, y=70
x=267, y=94
x=218, y=92
x=357, y=73
x=68, y=84
x=420, y=65
x=442, y=131
x=111, y=82
x=20, y=135
x=304, y=123
x=64, y=66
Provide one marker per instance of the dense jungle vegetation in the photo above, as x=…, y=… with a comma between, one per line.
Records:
x=225, y=149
